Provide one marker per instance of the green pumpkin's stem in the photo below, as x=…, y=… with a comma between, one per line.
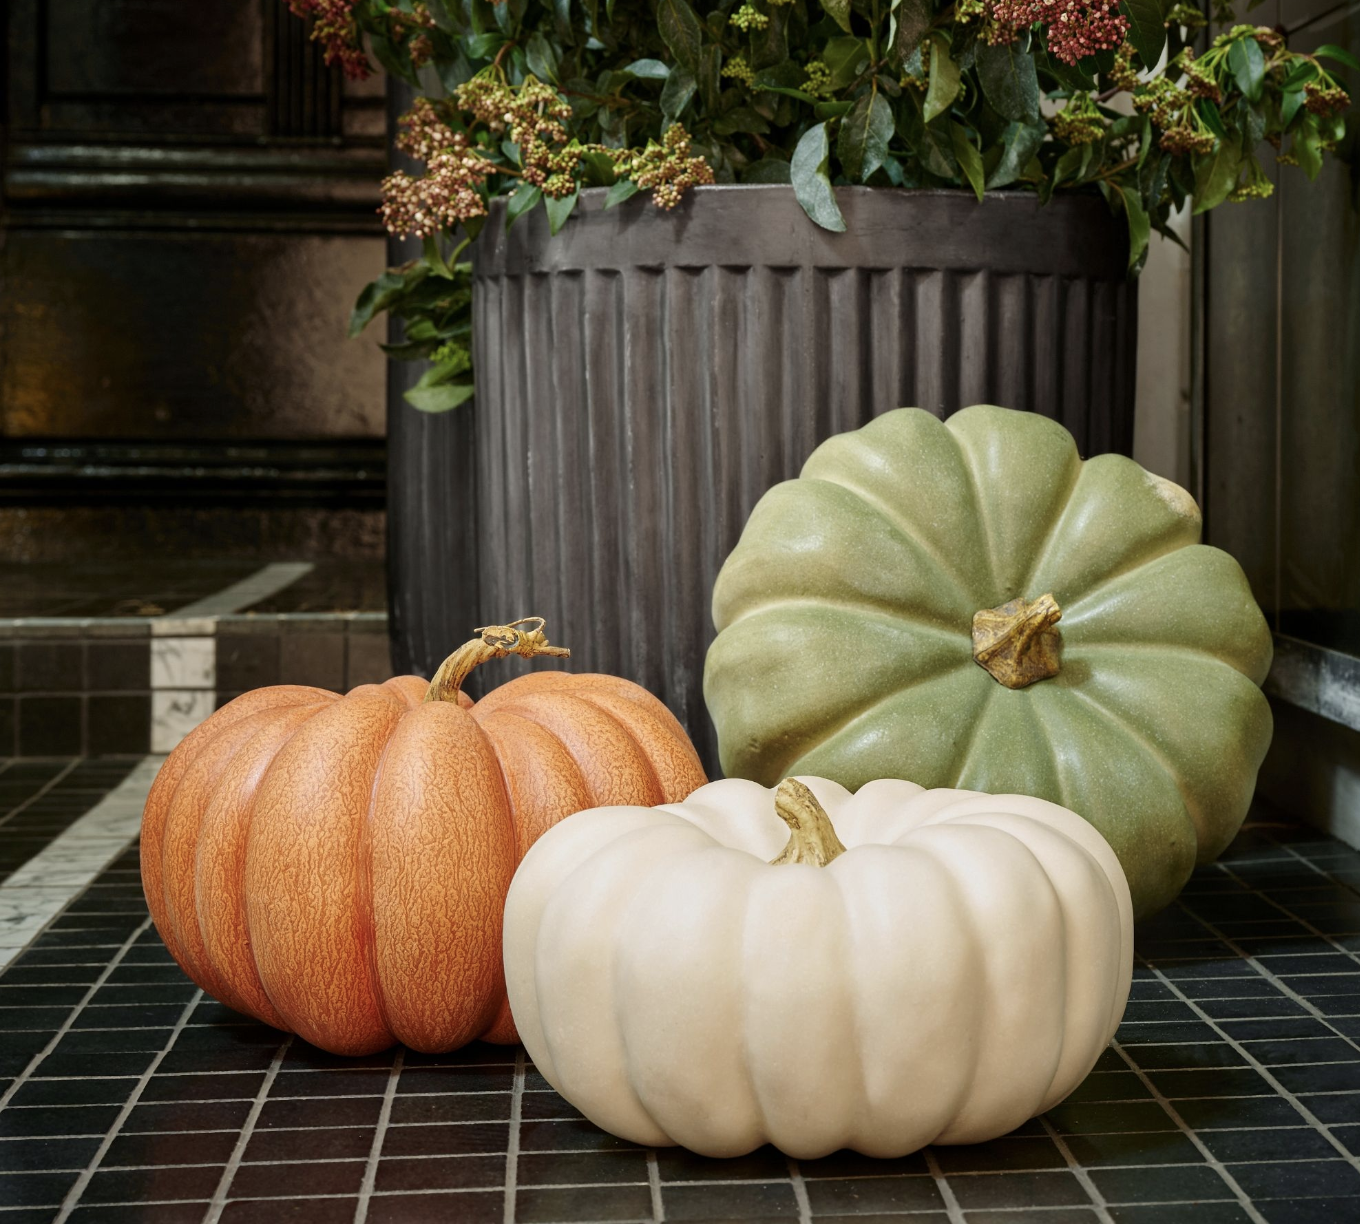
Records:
x=1017, y=642
x=811, y=837
x=491, y=642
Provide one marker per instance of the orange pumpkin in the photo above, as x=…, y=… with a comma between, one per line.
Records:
x=337, y=866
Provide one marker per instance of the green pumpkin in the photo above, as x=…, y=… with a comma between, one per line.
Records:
x=850, y=639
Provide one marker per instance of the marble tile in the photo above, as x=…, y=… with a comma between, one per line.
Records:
x=183, y=626
x=176, y=712
x=42, y=887
x=183, y=663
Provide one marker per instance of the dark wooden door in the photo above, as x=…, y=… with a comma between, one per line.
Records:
x=188, y=213
x=1281, y=437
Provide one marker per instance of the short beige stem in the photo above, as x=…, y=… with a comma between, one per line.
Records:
x=811, y=837
x=492, y=642
x=1017, y=642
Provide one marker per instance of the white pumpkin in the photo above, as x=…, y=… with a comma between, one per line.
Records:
x=955, y=971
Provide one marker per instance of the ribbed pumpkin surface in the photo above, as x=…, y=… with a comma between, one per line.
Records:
x=846, y=617
x=337, y=866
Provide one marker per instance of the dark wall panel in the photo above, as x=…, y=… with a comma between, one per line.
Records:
x=139, y=46
x=186, y=335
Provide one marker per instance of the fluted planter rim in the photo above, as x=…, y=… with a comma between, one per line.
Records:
x=762, y=223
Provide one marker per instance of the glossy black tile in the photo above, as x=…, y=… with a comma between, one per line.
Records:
x=460, y=1207
x=727, y=1201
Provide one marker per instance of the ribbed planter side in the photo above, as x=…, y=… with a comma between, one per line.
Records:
x=644, y=377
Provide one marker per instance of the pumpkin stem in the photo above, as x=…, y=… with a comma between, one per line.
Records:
x=1017, y=642
x=811, y=837
x=491, y=642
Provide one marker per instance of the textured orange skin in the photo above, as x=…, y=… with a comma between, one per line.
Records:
x=337, y=866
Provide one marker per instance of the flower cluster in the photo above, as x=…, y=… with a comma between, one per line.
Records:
x=737, y=69
x=1253, y=185
x=749, y=18
x=668, y=169
x=1325, y=100
x=335, y=29
x=1173, y=111
x=817, y=82
x=449, y=192
x=1075, y=28
x=1078, y=123
x=1198, y=81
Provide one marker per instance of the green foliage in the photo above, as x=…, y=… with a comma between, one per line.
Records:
x=826, y=93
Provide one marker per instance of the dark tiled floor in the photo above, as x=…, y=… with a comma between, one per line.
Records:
x=40, y=798
x=1232, y=1093
x=150, y=588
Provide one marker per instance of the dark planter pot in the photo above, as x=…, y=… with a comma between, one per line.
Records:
x=643, y=377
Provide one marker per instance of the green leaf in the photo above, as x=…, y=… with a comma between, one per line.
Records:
x=1146, y=30
x=839, y=12
x=1069, y=76
x=541, y=58
x=483, y=46
x=1216, y=175
x=1139, y=227
x=1290, y=102
x=812, y=183
x=970, y=160
x=1307, y=147
x=680, y=32
x=677, y=92
x=1009, y=81
x=648, y=70
x=524, y=198
x=442, y=398
x=767, y=170
x=863, y=140
x=1248, y=66
x=385, y=292
x=559, y=210
x=599, y=168
x=741, y=119
x=832, y=110
x=1020, y=142
x=846, y=58
x=910, y=21
x=1213, y=118
x=1340, y=54
x=944, y=80
x=624, y=189
x=1069, y=165
x=1299, y=75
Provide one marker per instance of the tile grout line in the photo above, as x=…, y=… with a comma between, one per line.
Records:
x=1303, y=922
x=951, y=1201
x=1083, y=1175
x=72, y=1198
x=1312, y=866
x=40, y=792
x=379, y=1134
x=654, y=1187
x=65, y=1026
x=1265, y=1073
x=800, y=1194
x=217, y=1204
x=512, y=1144
x=1243, y=1199
x=134, y=787
x=1270, y=976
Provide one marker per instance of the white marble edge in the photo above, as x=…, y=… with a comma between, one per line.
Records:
x=40, y=889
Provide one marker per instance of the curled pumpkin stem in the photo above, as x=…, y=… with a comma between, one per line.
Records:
x=1017, y=642
x=491, y=642
x=811, y=836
